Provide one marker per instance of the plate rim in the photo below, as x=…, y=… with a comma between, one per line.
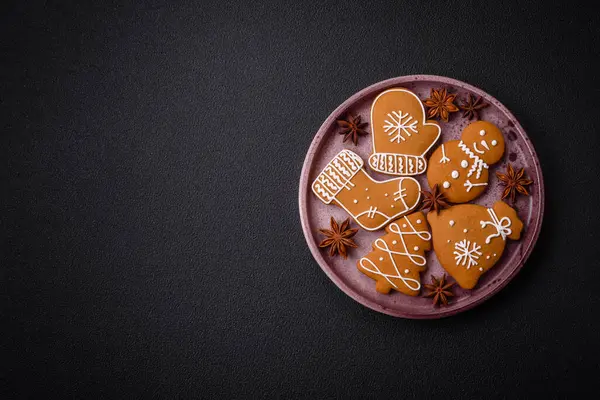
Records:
x=303, y=186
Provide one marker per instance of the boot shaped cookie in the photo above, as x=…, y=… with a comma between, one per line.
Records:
x=469, y=239
x=398, y=257
x=401, y=136
x=372, y=204
x=460, y=167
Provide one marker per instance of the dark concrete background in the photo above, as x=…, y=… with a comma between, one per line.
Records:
x=151, y=243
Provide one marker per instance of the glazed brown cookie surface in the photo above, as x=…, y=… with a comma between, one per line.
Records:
x=468, y=239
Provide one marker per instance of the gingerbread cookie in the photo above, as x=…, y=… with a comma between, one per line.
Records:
x=469, y=239
x=401, y=136
x=371, y=203
x=398, y=257
x=460, y=167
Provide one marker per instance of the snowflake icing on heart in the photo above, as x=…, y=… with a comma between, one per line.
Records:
x=466, y=254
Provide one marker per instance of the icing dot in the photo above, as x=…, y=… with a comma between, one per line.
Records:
x=465, y=230
x=355, y=201
x=368, y=198
x=494, y=254
x=406, y=271
x=392, y=206
x=416, y=248
x=366, y=189
x=494, y=142
x=446, y=184
x=394, y=242
x=464, y=163
x=481, y=269
x=448, y=240
x=455, y=174
x=380, y=258
x=386, y=195
x=404, y=225
x=451, y=222
x=487, y=257
x=418, y=221
x=482, y=132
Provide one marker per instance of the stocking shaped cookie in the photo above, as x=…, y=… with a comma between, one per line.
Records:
x=460, y=167
x=371, y=203
x=398, y=257
x=469, y=239
x=401, y=136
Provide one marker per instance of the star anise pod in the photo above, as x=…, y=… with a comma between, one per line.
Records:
x=514, y=182
x=434, y=200
x=352, y=128
x=338, y=238
x=439, y=290
x=440, y=104
x=472, y=106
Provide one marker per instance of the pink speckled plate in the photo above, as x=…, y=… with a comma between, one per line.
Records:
x=314, y=214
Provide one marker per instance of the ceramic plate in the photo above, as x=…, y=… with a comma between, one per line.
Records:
x=315, y=214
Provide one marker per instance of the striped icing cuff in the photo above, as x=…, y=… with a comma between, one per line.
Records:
x=336, y=175
x=397, y=164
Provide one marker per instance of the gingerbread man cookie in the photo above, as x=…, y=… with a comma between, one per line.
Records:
x=401, y=136
x=460, y=167
x=398, y=257
x=469, y=239
x=371, y=203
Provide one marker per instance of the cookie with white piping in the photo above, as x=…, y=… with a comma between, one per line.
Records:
x=401, y=134
x=398, y=257
x=372, y=204
x=468, y=239
x=460, y=167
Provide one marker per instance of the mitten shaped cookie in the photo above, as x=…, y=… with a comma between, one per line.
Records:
x=398, y=257
x=401, y=136
x=469, y=239
x=460, y=167
x=371, y=203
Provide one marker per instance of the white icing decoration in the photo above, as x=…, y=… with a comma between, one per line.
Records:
x=448, y=240
x=400, y=123
x=478, y=164
x=355, y=201
x=406, y=271
x=368, y=198
x=381, y=258
x=465, y=230
x=487, y=257
x=418, y=221
x=464, y=163
x=494, y=254
x=394, y=242
x=455, y=174
x=465, y=254
x=386, y=195
x=416, y=248
x=337, y=176
x=484, y=144
x=366, y=189
x=404, y=225
x=482, y=132
x=444, y=159
x=481, y=269
x=416, y=259
x=494, y=142
x=470, y=185
x=421, y=123
x=451, y=222
x=446, y=184
x=476, y=149
x=502, y=226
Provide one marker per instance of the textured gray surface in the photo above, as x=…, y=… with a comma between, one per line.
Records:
x=151, y=244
